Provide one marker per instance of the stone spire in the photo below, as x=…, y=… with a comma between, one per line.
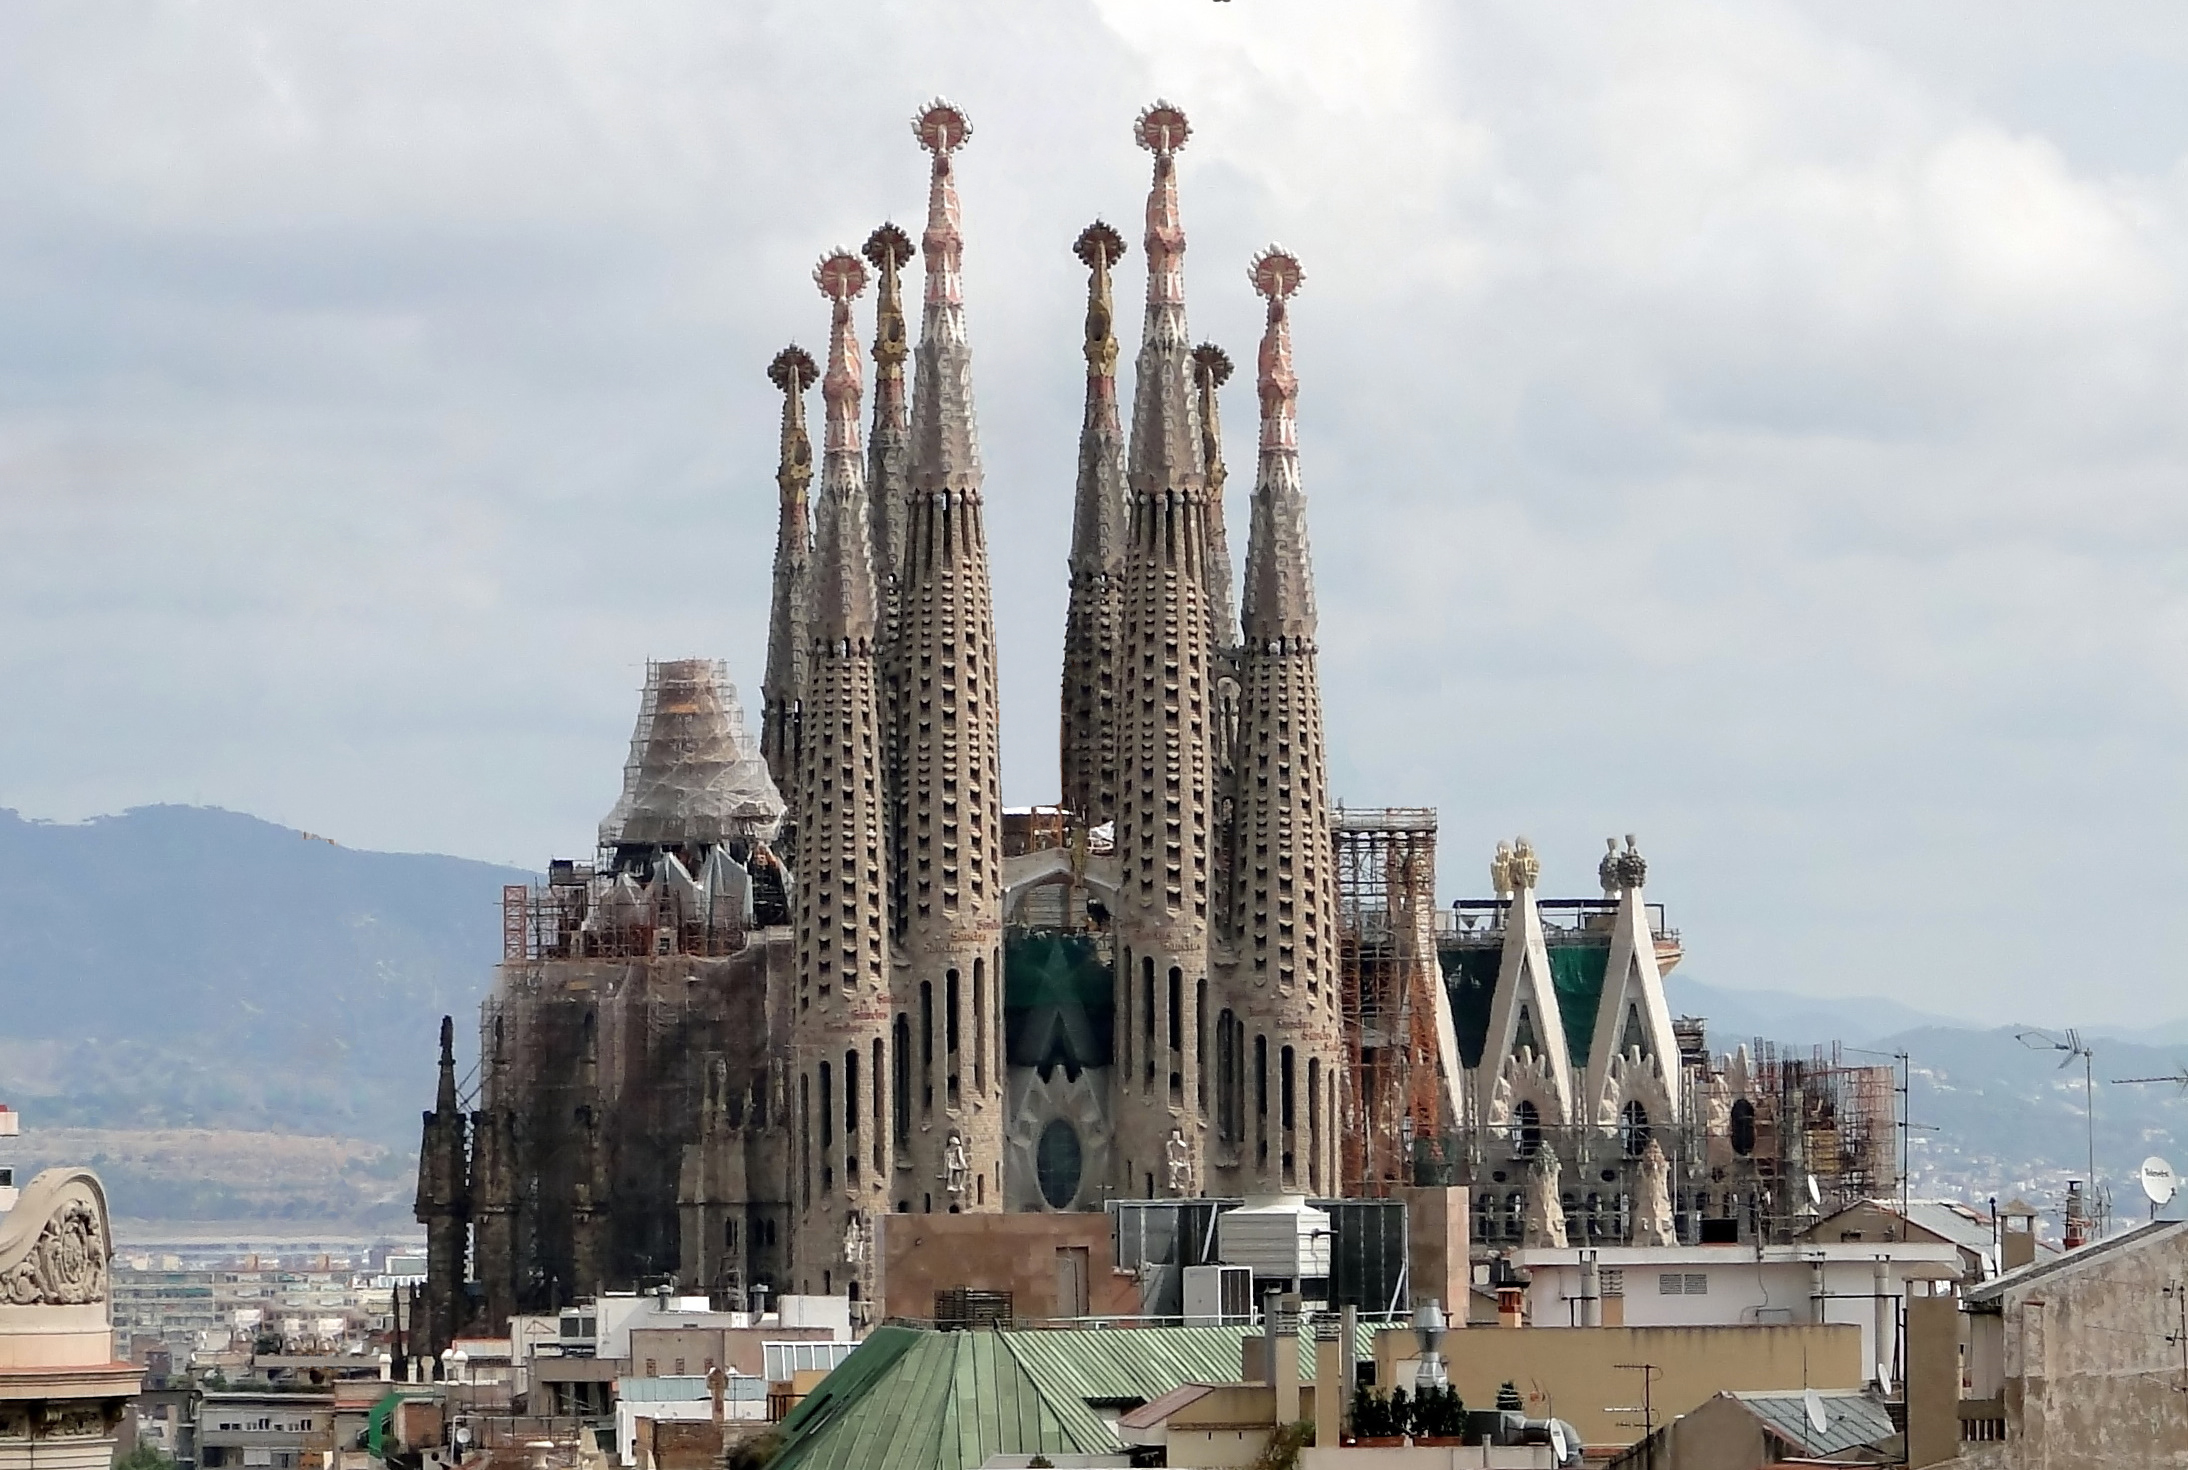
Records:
x=1092, y=623
x=841, y=1025
x=1283, y=899
x=1279, y=576
x=948, y=868
x=1211, y=370
x=783, y=688
x=1165, y=791
x=444, y=1205
x=889, y=450
x=889, y=493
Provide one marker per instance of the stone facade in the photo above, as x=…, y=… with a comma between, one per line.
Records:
x=62, y=1395
x=907, y=1018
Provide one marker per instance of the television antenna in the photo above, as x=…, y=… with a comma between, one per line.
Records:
x=2074, y=1047
x=2179, y=1079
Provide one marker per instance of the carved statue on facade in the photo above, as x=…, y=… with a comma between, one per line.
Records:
x=1500, y=870
x=1178, y=1161
x=956, y=1166
x=854, y=1241
x=1544, y=1225
x=1652, y=1203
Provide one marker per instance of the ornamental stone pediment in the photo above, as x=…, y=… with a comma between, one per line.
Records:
x=55, y=1243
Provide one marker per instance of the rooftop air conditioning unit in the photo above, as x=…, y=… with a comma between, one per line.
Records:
x=1284, y=1239
x=1219, y=1296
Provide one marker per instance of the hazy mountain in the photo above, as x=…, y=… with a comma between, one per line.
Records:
x=186, y=968
x=1736, y=1015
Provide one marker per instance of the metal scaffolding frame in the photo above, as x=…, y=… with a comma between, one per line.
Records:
x=1388, y=972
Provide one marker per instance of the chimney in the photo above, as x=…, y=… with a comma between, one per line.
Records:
x=1933, y=1380
x=1511, y=1306
x=1284, y=1357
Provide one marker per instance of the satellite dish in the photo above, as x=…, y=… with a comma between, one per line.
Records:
x=2158, y=1180
x=1813, y=1402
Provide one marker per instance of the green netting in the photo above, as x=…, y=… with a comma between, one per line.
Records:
x=1470, y=981
x=1576, y=971
x=1058, y=999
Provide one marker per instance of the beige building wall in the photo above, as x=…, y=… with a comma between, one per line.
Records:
x=2090, y=1379
x=1574, y=1374
x=1036, y=1258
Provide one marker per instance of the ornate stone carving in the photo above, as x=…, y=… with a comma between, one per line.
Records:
x=1500, y=870
x=1633, y=869
x=67, y=1264
x=956, y=1165
x=1652, y=1203
x=1178, y=1163
x=1544, y=1225
x=1606, y=871
x=1524, y=869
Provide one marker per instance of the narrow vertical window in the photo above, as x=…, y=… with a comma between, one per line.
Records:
x=881, y=1084
x=902, y=1042
x=926, y=1046
x=949, y=1024
x=1314, y=1124
x=851, y=1102
x=980, y=1028
x=1200, y=1045
x=1177, y=1037
x=1261, y=1101
x=1147, y=1017
x=805, y=1140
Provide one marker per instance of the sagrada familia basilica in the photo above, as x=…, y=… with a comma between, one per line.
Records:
x=823, y=976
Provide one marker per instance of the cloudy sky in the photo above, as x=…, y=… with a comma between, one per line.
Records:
x=1756, y=426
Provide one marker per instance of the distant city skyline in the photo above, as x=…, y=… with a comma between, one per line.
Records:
x=1759, y=429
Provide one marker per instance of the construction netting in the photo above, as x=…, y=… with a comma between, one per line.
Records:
x=694, y=776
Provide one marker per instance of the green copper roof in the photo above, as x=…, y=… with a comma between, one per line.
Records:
x=910, y=1399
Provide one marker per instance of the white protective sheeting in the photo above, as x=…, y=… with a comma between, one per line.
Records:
x=694, y=776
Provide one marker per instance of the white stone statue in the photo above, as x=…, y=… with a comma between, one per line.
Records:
x=956, y=1165
x=1544, y=1224
x=1652, y=1203
x=1178, y=1159
x=854, y=1242
x=1500, y=870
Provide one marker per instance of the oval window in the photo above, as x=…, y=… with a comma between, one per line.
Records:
x=1057, y=1161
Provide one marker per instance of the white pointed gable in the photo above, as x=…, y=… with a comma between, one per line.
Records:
x=1525, y=1057
x=1633, y=1054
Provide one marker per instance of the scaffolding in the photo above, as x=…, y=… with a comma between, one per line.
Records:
x=1825, y=1135
x=1398, y=1116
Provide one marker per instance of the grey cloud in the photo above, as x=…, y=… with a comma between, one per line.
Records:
x=1757, y=427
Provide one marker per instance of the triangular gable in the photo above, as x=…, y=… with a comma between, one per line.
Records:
x=1526, y=1000
x=1633, y=1007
